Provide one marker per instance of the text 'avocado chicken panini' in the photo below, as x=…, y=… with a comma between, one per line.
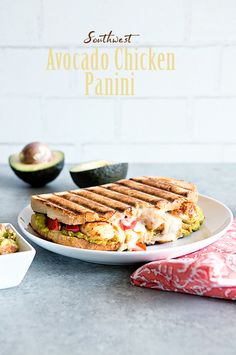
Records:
x=125, y=215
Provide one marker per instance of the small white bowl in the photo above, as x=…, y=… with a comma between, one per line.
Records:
x=14, y=266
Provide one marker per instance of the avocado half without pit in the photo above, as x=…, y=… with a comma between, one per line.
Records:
x=37, y=164
x=98, y=173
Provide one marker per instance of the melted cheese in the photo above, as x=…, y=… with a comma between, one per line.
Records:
x=146, y=229
x=152, y=218
x=171, y=230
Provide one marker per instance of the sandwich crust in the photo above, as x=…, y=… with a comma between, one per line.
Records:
x=102, y=203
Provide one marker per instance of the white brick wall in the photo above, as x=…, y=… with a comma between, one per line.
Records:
x=20, y=120
x=20, y=22
x=66, y=22
x=228, y=84
x=160, y=114
x=188, y=115
x=213, y=20
x=79, y=120
x=219, y=125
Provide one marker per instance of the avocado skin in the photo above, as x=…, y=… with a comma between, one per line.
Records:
x=100, y=176
x=42, y=177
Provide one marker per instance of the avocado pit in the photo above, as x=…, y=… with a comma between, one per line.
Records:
x=36, y=153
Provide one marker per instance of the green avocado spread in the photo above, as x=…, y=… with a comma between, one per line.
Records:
x=192, y=224
x=41, y=222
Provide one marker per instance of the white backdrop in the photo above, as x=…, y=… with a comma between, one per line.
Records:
x=185, y=116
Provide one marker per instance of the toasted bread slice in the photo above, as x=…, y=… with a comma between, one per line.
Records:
x=59, y=238
x=101, y=203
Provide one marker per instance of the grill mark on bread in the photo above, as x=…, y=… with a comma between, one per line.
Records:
x=117, y=196
x=180, y=183
x=152, y=200
x=59, y=201
x=103, y=200
x=169, y=196
x=163, y=186
x=50, y=203
x=79, y=201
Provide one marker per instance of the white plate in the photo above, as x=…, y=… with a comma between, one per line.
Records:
x=218, y=218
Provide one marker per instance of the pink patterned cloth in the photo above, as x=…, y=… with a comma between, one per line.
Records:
x=208, y=272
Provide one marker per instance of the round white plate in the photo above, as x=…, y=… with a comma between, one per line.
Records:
x=218, y=218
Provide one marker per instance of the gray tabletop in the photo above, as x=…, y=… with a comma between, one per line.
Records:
x=65, y=306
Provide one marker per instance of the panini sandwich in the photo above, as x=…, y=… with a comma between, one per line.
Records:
x=126, y=215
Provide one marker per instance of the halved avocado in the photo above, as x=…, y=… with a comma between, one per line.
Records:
x=40, y=174
x=98, y=173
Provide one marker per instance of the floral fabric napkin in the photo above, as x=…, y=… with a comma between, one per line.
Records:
x=208, y=272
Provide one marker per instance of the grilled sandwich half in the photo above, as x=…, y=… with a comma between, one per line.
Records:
x=125, y=215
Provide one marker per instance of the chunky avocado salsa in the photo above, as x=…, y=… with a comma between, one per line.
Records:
x=8, y=240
